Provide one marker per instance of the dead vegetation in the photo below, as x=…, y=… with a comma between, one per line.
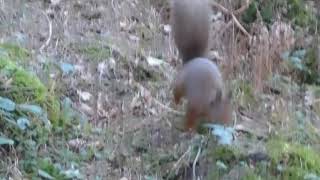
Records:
x=123, y=61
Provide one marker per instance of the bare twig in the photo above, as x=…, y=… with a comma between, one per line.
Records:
x=242, y=9
x=219, y=6
x=50, y=32
x=166, y=107
x=258, y=13
x=180, y=159
x=194, y=164
x=240, y=26
x=113, y=6
x=228, y=12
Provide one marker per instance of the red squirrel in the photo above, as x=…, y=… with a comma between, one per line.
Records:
x=200, y=80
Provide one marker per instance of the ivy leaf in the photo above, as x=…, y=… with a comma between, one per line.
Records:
x=34, y=109
x=66, y=68
x=299, y=53
x=7, y=141
x=225, y=135
x=7, y=104
x=44, y=174
x=23, y=123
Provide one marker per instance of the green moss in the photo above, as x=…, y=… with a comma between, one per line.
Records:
x=297, y=160
x=311, y=75
x=243, y=93
x=14, y=52
x=266, y=11
x=298, y=12
x=224, y=154
x=53, y=108
x=250, y=15
x=294, y=10
x=48, y=168
x=96, y=52
x=143, y=73
x=251, y=175
x=34, y=89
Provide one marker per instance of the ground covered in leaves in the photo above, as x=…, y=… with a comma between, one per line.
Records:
x=85, y=91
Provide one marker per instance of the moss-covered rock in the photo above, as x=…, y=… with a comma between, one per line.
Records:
x=26, y=87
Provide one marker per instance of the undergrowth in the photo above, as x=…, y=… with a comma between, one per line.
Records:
x=30, y=119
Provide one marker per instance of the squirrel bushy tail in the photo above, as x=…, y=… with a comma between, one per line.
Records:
x=190, y=25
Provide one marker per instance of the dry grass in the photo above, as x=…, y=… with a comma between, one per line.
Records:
x=131, y=100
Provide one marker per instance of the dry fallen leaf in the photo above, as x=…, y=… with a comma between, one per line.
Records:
x=55, y=2
x=154, y=61
x=86, y=109
x=167, y=28
x=85, y=96
x=77, y=143
x=134, y=38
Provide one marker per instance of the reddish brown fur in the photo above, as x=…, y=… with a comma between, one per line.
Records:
x=200, y=80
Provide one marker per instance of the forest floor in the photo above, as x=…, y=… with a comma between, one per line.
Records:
x=115, y=61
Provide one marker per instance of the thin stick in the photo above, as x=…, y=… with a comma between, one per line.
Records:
x=240, y=26
x=194, y=164
x=166, y=107
x=180, y=159
x=242, y=9
x=50, y=32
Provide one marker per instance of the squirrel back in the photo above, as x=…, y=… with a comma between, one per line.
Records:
x=190, y=25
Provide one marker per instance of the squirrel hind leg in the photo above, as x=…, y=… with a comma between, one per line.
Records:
x=191, y=119
x=177, y=94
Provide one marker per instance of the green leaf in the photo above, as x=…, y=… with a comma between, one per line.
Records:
x=73, y=173
x=299, y=53
x=44, y=174
x=66, y=68
x=7, y=104
x=23, y=123
x=311, y=177
x=7, y=141
x=34, y=109
x=221, y=165
x=224, y=135
x=285, y=55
